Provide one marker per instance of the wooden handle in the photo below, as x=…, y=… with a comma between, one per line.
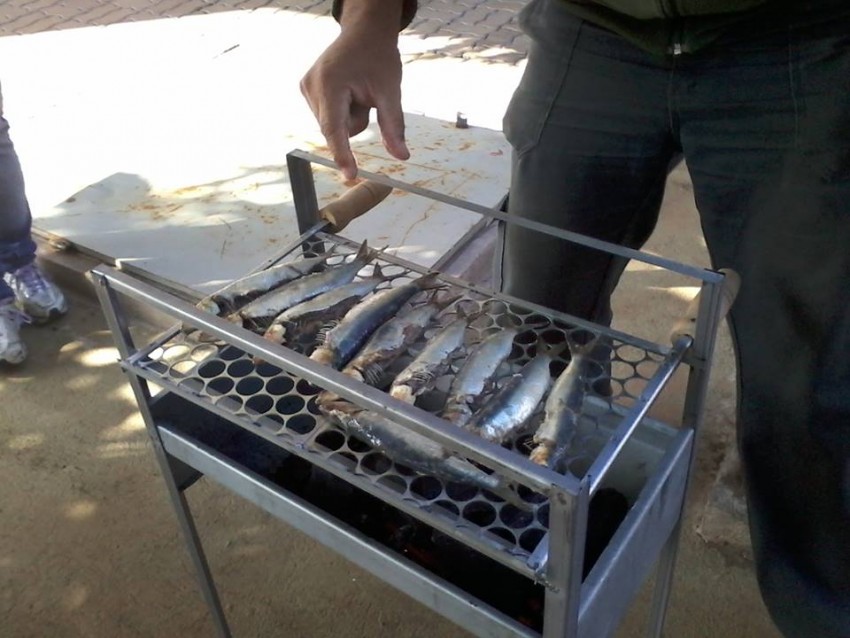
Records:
x=354, y=202
x=686, y=326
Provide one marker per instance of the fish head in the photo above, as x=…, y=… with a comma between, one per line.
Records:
x=276, y=333
x=210, y=306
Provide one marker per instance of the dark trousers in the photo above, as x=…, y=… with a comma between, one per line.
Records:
x=764, y=126
x=16, y=246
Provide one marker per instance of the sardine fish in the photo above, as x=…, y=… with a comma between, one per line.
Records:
x=475, y=376
x=261, y=282
x=416, y=451
x=302, y=289
x=389, y=341
x=308, y=317
x=342, y=342
x=434, y=360
x=563, y=407
x=511, y=406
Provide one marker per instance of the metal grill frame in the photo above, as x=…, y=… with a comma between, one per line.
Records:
x=572, y=607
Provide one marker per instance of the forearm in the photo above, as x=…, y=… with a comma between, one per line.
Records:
x=386, y=16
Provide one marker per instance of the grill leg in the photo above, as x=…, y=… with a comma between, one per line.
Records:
x=118, y=326
x=663, y=583
x=196, y=552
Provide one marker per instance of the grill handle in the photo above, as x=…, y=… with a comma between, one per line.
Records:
x=353, y=203
x=686, y=325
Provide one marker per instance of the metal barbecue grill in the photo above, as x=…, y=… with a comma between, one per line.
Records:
x=244, y=412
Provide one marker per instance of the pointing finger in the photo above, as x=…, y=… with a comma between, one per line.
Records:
x=391, y=123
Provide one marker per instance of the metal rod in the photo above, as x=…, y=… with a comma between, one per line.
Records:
x=695, y=395
x=477, y=229
x=628, y=253
x=567, y=539
x=303, y=191
x=632, y=552
x=121, y=334
x=305, y=236
x=636, y=413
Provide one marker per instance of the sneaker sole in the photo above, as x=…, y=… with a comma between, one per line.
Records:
x=55, y=313
x=5, y=361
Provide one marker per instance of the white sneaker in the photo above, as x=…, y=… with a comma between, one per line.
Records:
x=12, y=349
x=37, y=296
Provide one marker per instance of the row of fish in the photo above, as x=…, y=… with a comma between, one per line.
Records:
x=362, y=331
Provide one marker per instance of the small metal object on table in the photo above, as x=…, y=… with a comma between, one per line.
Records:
x=272, y=405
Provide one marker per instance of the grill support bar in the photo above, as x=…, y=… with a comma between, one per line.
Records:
x=115, y=318
x=701, y=349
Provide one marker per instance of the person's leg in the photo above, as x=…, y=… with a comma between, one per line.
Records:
x=765, y=126
x=590, y=131
x=16, y=246
x=22, y=285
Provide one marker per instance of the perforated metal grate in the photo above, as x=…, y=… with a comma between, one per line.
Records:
x=283, y=408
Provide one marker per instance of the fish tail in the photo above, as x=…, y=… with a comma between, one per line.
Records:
x=365, y=254
x=363, y=251
x=379, y=274
x=447, y=300
x=583, y=349
x=550, y=350
x=430, y=282
x=472, y=316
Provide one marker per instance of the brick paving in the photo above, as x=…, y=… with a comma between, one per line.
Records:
x=469, y=29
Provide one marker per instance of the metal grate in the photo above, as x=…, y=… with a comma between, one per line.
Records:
x=282, y=408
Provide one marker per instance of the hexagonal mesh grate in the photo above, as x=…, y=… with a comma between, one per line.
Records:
x=284, y=408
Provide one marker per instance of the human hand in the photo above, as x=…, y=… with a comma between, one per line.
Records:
x=359, y=71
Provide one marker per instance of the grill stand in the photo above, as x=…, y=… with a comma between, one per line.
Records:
x=573, y=607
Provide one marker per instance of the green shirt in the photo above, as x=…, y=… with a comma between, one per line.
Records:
x=673, y=27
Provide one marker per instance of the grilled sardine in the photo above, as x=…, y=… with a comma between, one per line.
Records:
x=416, y=451
x=304, y=288
x=431, y=363
x=563, y=407
x=509, y=408
x=476, y=374
x=342, y=342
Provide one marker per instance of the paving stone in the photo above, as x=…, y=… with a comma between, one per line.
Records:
x=478, y=23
